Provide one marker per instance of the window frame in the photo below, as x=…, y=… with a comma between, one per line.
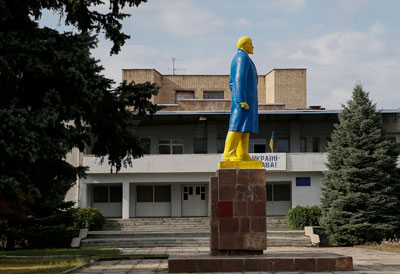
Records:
x=257, y=141
x=318, y=144
x=171, y=145
x=218, y=92
x=181, y=92
x=154, y=195
x=305, y=144
x=277, y=144
x=108, y=187
x=201, y=150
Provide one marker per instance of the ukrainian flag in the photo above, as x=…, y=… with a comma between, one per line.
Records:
x=271, y=142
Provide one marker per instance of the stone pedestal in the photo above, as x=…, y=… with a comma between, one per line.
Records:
x=238, y=231
x=238, y=212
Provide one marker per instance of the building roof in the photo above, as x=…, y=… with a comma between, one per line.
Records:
x=266, y=112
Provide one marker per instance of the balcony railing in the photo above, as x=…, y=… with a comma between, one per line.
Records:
x=199, y=163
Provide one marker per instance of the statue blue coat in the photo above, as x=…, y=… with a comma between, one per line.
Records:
x=243, y=84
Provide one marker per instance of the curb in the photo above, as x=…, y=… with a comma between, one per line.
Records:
x=79, y=267
x=123, y=257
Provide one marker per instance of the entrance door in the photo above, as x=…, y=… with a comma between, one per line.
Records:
x=279, y=198
x=194, y=201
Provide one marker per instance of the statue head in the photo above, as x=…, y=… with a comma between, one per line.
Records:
x=245, y=44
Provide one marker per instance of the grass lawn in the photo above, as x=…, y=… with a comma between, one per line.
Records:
x=381, y=247
x=39, y=260
x=38, y=265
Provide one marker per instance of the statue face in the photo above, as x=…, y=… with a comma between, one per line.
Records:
x=248, y=47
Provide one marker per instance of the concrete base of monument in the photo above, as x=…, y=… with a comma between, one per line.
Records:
x=268, y=262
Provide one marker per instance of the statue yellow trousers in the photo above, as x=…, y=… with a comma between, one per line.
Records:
x=237, y=146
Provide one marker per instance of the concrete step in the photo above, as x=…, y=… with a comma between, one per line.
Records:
x=180, y=239
x=145, y=242
x=178, y=224
x=285, y=233
x=124, y=234
x=293, y=241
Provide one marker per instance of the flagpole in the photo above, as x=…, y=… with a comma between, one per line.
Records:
x=271, y=142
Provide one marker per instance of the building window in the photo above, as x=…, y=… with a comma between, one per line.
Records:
x=183, y=94
x=315, y=144
x=200, y=145
x=162, y=193
x=257, y=146
x=144, y=194
x=153, y=193
x=213, y=95
x=115, y=194
x=146, y=142
x=303, y=144
x=170, y=146
x=279, y=191
x=107, y=194
x=282, y=145
x=220, y=145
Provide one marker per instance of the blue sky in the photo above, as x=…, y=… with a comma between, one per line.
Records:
x=340, y=42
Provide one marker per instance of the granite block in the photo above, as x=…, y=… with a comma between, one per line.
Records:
x=227, y=193
x=305, y=264
x=225, y=209
x=232, y=265
x=244, y=225
x=227, y=176
x=231, y=241
x=256, y=209
x=258, y=224
x=325, y=264
x=228, y=225
x=255, y=241
x=239, y=209
x=344, y=263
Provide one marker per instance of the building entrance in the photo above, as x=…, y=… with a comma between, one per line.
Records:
x=153, y=200
x=194, y=201
x=279, y=198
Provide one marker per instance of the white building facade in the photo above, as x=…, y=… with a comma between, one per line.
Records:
x=184, y=148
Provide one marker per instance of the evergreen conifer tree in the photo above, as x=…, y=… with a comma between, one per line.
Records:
x=54, y=97
x=360, y=197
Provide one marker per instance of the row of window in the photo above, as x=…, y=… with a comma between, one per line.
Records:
x=162, y=193
x=176, y=146
x=189, y=94
x=150, y=193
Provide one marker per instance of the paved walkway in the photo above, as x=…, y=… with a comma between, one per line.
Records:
x=364, y=260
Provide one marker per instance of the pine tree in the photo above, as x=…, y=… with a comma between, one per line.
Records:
x=53, y=97
x=360, y=197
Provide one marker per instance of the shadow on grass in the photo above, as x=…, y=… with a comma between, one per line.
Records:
x=49, y=261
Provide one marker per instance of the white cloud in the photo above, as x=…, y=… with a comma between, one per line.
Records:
x=287, y=6
x=131, y=56
x=377, y=28
x=242, y=22
x=341, y=47
x=182, y=18
x=336, y=61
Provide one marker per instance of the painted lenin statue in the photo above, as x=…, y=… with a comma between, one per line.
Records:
x=244, y=106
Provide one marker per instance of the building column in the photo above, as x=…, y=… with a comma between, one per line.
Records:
x=125, y=200
x=211, y=137
x=294, y=137
x=83, y=196
x=176, y=200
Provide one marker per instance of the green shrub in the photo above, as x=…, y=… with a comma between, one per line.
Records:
x=90, y=218
x=301, y=216
x=48, y=237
